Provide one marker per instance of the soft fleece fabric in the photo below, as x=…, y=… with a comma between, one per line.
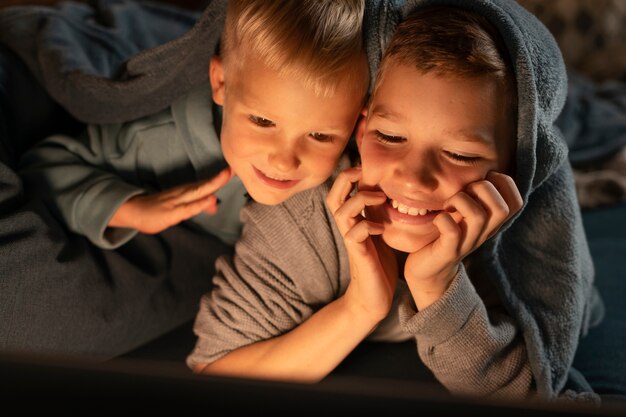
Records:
x=119, y=61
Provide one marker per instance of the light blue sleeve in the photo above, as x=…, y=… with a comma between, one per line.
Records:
x=86, y=179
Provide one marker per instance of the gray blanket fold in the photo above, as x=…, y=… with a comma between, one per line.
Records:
x=102, y=74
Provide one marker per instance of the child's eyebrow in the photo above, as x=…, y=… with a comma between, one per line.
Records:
x=251, y=104
x=469, y=136
x=384, y=112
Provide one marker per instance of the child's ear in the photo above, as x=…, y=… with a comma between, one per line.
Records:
x=360, y=127
x=216, y=77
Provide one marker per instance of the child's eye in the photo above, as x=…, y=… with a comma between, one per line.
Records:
x=261, y=121
x=321, y=137
x=389, y=139
x=463, y=158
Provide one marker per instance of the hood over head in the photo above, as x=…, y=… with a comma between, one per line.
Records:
x=536, y=62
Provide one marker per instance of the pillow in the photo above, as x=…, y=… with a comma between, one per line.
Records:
x=591, y=34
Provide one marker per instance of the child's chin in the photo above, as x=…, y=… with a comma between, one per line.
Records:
x=405, y=242
x=268, y=199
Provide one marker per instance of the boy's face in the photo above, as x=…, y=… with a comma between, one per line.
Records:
x=279, y=137
x=425, y=139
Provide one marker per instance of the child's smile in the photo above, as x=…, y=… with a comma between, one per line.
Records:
x=275, y=180
x=426, y=138
x=278, y=135
x=409, y=214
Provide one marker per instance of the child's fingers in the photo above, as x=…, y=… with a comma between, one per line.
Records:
x=361, y=231
x=503, y=200
x=355, y=205
x=342, y=187
x=347, y=214
x=450, y=234
x=474, y=219
x=188, y=210
x=217, y=182
x=212, y=206
x=197, y=191
x=492, y=201
x=508, y=190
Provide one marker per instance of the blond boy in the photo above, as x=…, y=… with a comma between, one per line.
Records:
x=281, y=104
x=288, y=86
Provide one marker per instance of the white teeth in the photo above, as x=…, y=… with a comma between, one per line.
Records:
x=411, y=211
x=275, y=178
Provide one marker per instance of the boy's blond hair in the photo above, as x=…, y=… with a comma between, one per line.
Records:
x=318, y=41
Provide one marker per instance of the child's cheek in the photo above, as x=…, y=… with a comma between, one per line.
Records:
x=374, y=164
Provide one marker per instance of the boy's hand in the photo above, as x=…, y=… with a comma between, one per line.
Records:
x=153, y=213
x=472, y=216
x=373, y=265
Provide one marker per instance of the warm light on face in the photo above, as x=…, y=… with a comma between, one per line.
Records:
x=279, y=137
x=425, y=139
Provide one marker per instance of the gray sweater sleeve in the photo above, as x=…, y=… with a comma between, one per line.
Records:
x=290, y=261
x=86, y=179
x=472, y=347
x=284, y=268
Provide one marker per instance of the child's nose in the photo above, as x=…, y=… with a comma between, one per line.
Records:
x=417, y=177
x=284, y=159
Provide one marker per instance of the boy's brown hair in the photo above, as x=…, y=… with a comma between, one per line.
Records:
x=318, y=41
x=449, y=41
